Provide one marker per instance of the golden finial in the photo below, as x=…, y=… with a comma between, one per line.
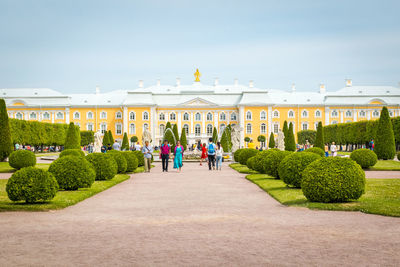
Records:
x=197, y=74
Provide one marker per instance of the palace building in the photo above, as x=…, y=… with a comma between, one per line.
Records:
x=197, y=108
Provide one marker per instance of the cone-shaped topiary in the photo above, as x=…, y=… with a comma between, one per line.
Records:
x=183, y=139
x=6, y=146
x=271, y=143
x=21, y=159
x=384, y=140
x=225, y=141
x=125, y=143
x=168, y=135
x=215, y=135
x=73, y=138
x=285, y=130
x=319, y=139
x=110, y=137
x=106, y=139
x=290, y=145
x=176, y=134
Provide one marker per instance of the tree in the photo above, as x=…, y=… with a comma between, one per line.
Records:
x=261, y=139
x=285, y=130
x=168, y=135
x=247, y=139
x=125, y=143
x=385, y=147
x=87, y=137
x=290, y=145
x=106, y=140
x=319, y=140
x=225, y=141
x=271, y=143
x=183, y=138
x=110, y=137
x=215, y=135
x=175, y=131
x=304, y=135
x=73, y=138
x=6, y=146
x=134, y=139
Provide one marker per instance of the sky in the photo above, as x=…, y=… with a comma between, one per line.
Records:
x=73, y=46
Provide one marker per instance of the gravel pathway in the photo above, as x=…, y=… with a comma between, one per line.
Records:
x=383, y=174
x=195, y=218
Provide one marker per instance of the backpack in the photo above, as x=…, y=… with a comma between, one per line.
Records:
x=211, y=149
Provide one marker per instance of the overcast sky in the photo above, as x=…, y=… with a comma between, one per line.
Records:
x=74, y=45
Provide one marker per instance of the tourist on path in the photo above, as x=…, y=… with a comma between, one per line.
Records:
x=137, y=146
x=165, y=150
x=203, y=153
x=211, y=154
x=326, y=150
x=178, y=156
x=147, y=150
x=333, y=149
x=219, y=152
x=116, y=146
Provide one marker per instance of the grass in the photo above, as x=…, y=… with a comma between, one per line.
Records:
x=386, y=165
x=242, y=168
x=5, y=167
x=382, y=196
x=343, y=153
x=47, y=154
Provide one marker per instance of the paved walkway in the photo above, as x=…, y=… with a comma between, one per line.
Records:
x=195, y=218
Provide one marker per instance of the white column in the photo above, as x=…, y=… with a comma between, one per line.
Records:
x=368, y=114
x=52, y=114
x=341, y=113
x=216, y=119
x=26, y=116
x=228, y=118
x=179, y=121
x=152, y=123
x=241, y=124
x=39, y=116
x=327, y=115
x=67, y=115
x=203, y=127
x=269, y=121
x=355, y=114
x=192, y=122
x=125, y=117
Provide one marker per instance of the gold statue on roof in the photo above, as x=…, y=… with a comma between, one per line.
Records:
x=197, y=74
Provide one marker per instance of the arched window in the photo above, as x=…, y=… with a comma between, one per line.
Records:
x=248, y=128
x=18, y=115
x=118, y=128
x=118, y=115
x=197, y=117
x=209, y=130
x=334, y=122
x=60, y=115
x=132, y=116
x=186, y=128
x=32, y=115
x=222, y=128
x=103, y=127
x=276, y=128
x=263, y=115
x=304, y=114
x=334, y=114
x=209, y=116
x=349, y=113
x=304, y=126
x=162, y=117
x=132, y=128
x=291, y=114
x=77, y=115
x=248, y=115
x=391, y=113
x=145, y=126
x=263, y=128
x=275, y=114
x=89, y=126
x=317, y=113
x=375, y=113
x=222, y=116
x=362, y=113
x=103, y=115
x=186, y=116
x=233, y=116
x=162, y=129
x=46, y=115
x=197, y=130
x=89, y=115
x=145, y=116
x=172, y=116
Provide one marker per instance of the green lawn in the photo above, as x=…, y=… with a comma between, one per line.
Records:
x=343, y=153
x=47, y=154
x=242, y=168
x=386, y=165
x=5, y=167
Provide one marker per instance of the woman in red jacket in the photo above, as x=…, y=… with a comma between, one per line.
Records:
x=203, y=154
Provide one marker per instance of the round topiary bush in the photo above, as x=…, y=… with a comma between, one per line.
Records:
x=22, y=158
x=247, y=153
x=72, y=172
x=316, y=150
x=131, y=161
x=259, y=158
x=291, y=168
x=237, y=153
x=333, y=179
x=272, y=160
x=32, y=185
x=72, y=152
x=251, y=162
x=364, y=157
x=140, y=157
x=120, y=159
x=104, y=165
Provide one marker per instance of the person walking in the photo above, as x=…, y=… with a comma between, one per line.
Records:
x=333, y=149
x=203, y=153
x=211, y=154
x=147, y=150
x=137, y=146
x=116, y=146
x=165, y=151
x=219, y=152
x=326, y=150
x=178, y=156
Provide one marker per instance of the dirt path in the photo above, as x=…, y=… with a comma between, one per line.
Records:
x=195, y=218
x=383, y=174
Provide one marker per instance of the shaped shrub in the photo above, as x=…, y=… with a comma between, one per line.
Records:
x=104, y=165
x=131, y=161
x=72, y=172
x=72, y=152
x=333, y=179
x=251, y=163
x=31, y=185
x=316, y=150
x=247, y=153
x=119, y=159
x=291, y=167
x=364, y=157
x=259, y=158
x=22, y=158
x=140, y=157
x=272, y=160
x=237, y=153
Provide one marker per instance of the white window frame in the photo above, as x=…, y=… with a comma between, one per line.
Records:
x=32, y=115
x=263, y=128
x=89, y=128
x=186, y=128
x=46, y=114
x=335, y=114
x=347, y=115
x=291, y=111
x=118, y=125
x=222, y=127
x=58, y=117
x=334, y=122
x=103, y=115
x=304, y=124
x=249, y=115
x=87, y=115
x=209, y=116
x=145, y=116
x=197, y=127
x=376, y=113
x=161, y=128
x=197, y=116
x=130, y=116
x=130, y=128
x=276, y=113
x=145, y=126
x=302, y=113
x=209, y=130
x=263, y=115
x=222, y=116
x=249, y=128
x=316, y=113
x=276, y=128
x=120, y=115
x=186, y=116
x=161, y=116
x=233, y=116
x=172, y=116
x=101, y=127
x=77, y=117
x=362, y=113
x=19, y=116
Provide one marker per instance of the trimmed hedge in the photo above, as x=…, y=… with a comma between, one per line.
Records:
x=72, y=172
x=131, y=161
x=316, y=150
x=119, y=159
x=385, y=145
x=259, y=158
x=247, y=153
x=291, y=167
x=306, y=135
x=104, y=165
x=333, y=179
x=251, y=163
x=364, y=157
x=31, y=185
x=72, y=152
x=272, y=160
x=236, y=154
x=22, y=158
x=6, y=146
x=140, y=157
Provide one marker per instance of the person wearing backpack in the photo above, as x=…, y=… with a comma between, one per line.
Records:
x=211, y=154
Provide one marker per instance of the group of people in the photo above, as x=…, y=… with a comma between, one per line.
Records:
x=213, y=154
x=165, y=154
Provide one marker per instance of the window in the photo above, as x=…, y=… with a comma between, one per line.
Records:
x=197, y=116
x=334, y=114
x=318, y=114
x=222, y=116
x=186, y=128
x=145, y=116
x=316, y=125
x=375, y=113
x=60, y=115
x=197, y=130
x=248, y=128
x=89, y=115
x=248, y=115
x=132, y=128
x=186, y=116
x=348, y=114
x=209, y=116
x=89, y=126
x=118, y=129
x=304, y=126
x=103, y=128
x=348, y=121
x=118, y=115
x=263, y=128
x=103, y=115
x=233, y=116
x=209, y=130
x=276, y=128
x=334, y=122
x=162, y=117
x=275, y=114
x=18, y=115
x=391, y=113
x=222, y=128
x=172, y=116
x=46, y=115
x=132, y=116
x=362, y=113
x=291, y=114
x=162, y=129
x=77, y=115
x=32, y=115
x=304, y=114
x=263, y=115
x=145, y=126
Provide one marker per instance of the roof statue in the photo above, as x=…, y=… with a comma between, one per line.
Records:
x=197, y=74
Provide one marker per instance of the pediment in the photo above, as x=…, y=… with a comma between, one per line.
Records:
x=198, y=102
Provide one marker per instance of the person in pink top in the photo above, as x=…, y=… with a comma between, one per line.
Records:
x=165, y=151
